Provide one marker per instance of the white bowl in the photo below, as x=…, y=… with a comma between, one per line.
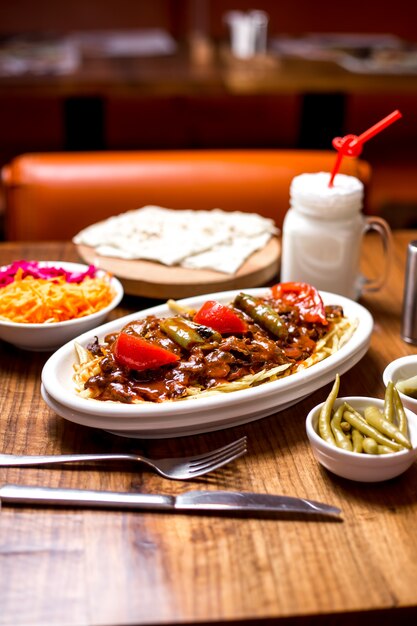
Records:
x=360, y=466
x=400, y=369
x=47, y=337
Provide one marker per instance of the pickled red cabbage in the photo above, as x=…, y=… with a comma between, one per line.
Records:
x=33, y=268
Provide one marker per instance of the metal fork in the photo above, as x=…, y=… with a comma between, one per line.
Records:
x=184, y=468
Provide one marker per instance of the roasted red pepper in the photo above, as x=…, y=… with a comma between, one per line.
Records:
x=220, y=318
x=304, y=297
x=138, y=354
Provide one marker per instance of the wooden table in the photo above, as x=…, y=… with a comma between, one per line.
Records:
x=75, y=567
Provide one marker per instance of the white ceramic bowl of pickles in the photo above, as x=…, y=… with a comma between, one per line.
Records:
x=361, y=466
x=403, y=373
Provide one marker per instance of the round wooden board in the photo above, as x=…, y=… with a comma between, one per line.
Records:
x=154, y=280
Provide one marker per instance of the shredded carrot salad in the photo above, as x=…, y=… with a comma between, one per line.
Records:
x=38, y=301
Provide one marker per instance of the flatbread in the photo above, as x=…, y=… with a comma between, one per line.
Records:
x=217, y=240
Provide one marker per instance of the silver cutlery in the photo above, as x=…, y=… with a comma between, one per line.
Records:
x=184, y=468
x=191, y=501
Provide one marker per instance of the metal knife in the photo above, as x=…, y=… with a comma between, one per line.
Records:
x=190, y=501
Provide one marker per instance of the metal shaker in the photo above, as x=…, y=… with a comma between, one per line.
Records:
x=409, y=315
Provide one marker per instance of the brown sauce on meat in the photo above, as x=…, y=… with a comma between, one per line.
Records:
x=203, y=365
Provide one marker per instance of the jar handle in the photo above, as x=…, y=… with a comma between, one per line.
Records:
x=382, y=227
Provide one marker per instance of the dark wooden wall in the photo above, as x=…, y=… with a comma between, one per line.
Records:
x=286, y=16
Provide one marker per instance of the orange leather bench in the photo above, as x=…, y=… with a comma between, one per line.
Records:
x=52, y=196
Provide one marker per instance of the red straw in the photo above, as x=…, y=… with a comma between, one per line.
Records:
x=351, y=145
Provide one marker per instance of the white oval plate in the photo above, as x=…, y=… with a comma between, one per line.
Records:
x=197, y=415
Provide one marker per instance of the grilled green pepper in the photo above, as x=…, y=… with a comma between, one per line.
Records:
x=186, y=333
x=262, y=314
